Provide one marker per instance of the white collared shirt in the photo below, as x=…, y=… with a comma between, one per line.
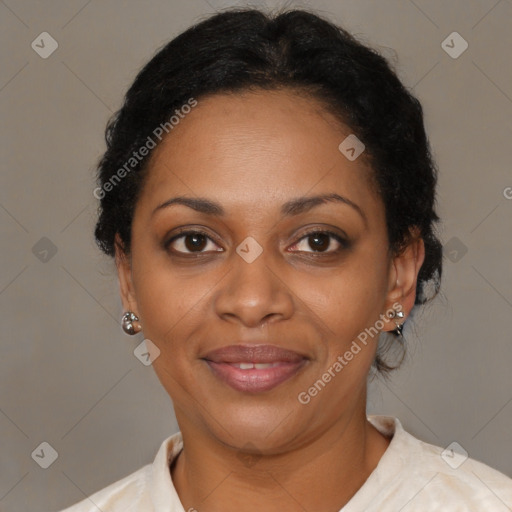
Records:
x=410, y=476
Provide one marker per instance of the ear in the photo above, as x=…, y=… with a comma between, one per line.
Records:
x=124, y=273
x=403, y=278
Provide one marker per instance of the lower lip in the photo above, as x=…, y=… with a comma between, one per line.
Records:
x=255, y=380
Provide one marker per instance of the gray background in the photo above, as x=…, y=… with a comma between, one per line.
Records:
x=68, y=374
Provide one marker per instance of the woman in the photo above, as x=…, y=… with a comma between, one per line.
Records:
x=268, y=194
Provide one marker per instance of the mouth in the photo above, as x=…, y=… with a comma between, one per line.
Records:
x=254, y=368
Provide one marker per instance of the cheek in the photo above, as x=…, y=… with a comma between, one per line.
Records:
x=168, y=301
x=349, y=298
x=169, y=308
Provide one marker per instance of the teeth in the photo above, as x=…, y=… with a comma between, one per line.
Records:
x=262, y=366
x=257, y=366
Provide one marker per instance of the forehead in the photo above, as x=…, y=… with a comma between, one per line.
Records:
x=255, y=148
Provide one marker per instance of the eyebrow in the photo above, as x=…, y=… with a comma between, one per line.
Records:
x=293, y=207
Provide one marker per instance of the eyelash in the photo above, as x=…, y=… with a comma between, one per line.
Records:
x=344, y=244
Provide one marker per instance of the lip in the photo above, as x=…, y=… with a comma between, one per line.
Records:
x=224, y=363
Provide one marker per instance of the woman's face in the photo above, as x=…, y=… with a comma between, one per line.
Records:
x=257, y=274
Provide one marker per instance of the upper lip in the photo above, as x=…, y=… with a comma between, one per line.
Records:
x=253, y=354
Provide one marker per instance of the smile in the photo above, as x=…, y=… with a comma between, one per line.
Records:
x=254, y=368
x=255, y=377
x=257, y=366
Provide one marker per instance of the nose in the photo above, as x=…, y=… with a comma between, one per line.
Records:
x=254, y=293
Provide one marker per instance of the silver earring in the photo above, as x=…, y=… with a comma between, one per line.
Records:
x=127, y=323
x=399, y=327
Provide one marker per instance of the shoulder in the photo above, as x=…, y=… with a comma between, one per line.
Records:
x=124, y=495
x=427, y=474
x=146, y=489
x=453, y=474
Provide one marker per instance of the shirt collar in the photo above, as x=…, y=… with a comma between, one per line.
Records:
x=161, y=488
x=165, y=498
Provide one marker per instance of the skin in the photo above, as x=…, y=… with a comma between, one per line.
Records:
x=251, y=153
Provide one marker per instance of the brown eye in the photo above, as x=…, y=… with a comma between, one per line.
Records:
x=192, y=242
x=195, y=242
x=320, y=242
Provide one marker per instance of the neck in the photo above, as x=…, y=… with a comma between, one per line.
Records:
x=322, y=474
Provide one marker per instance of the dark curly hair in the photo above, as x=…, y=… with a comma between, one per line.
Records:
x=245, y=49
